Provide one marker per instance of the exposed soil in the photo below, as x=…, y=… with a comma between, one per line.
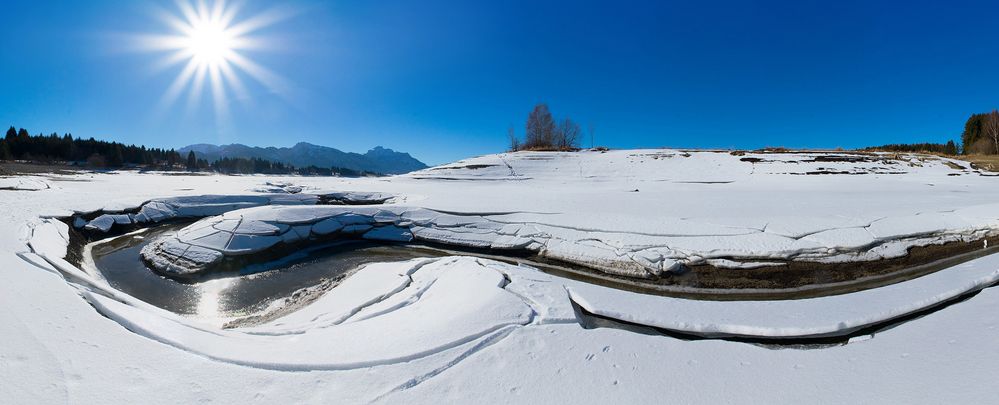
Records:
x=799, y=273
x=988, y=163
x=351, y=200
x=470, y=167
x=15, y=168
x=845, y=158
x=793, y=279
x=953, y=165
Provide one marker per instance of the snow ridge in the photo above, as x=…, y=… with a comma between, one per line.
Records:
x=209, y=242
x=461, y=303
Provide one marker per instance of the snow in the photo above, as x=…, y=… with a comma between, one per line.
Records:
x=279, y=187
x=730, y=264
x=373, y=284
x=462, y=329
x=24, y=183
x=461, y=301
x=814, y=317
x=49, y=238
x=102, y=223
x=624, y=253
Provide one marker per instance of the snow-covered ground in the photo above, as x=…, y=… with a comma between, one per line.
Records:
x=28, y=183
x=470, y=329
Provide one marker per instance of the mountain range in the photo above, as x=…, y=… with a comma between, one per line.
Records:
x=377, y=160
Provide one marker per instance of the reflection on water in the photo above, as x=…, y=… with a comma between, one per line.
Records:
x=227, y=296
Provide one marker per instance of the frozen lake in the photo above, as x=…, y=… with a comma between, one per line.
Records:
x=283, y=284
x=459, y=326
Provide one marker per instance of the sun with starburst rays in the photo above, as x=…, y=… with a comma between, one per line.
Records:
x=209, y=40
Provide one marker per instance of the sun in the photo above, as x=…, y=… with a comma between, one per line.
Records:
x=211, y=40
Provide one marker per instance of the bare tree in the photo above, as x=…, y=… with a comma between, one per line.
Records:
x=992, y=128
x=567, y=134
x=514, y=141
x=540, y=128
x=591, y=130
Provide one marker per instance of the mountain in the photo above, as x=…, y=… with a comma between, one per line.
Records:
x=378, y=160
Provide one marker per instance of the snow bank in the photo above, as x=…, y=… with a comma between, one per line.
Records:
x=581, y=208
x=814, y=317
x=207, y=243
x=447, y=303
x=24, y=183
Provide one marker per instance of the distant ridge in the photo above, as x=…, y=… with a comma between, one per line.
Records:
x=377, y=160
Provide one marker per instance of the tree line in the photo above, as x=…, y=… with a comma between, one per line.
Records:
x=19, y=145
x=949, y=148
x=228, y=165
x=543, y=132
x=980, y=137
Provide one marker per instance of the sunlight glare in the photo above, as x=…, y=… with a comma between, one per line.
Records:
x=209, y=41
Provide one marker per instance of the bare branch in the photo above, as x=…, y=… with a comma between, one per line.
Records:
x=514, y=141
x=992, y=128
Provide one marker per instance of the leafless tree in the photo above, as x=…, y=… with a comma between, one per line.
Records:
x=514, y=141
x=540, y=128
x=591, y=131
x=992, y=128
x=567, y=134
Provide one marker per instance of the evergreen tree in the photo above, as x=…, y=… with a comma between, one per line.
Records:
x=951, y=148
x=172, y=158
x=974, y=130
x=68, y=147
x=5, y=151
x=117, y=158
x=95, y=160
x=192, y=162
x=20, y=145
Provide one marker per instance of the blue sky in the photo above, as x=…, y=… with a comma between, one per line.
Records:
x=444, y=79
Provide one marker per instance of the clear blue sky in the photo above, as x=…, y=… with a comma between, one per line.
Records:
x=444, y=79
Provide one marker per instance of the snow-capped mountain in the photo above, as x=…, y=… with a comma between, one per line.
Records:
x=378, y=160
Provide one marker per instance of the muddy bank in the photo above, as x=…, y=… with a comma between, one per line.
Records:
x=791, y=279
